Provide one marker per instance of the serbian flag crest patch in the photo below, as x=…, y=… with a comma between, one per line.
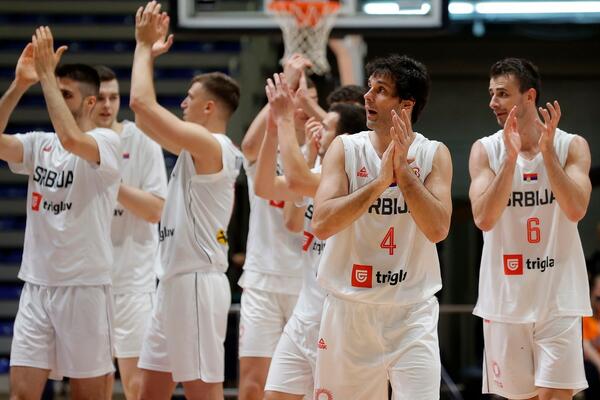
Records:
x=530, y=177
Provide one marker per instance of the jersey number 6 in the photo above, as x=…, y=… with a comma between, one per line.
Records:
x=533, y=230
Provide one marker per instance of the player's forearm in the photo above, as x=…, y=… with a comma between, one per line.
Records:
x=142, y=204
x=266, y=169
x=142, y=94
x=312, y=108
x=295, y=166
x=254, y=135
x=11, y=149
x=428, y=212
x=571, y=197
x=334, y=215
x=488, y=207
x=9, y=101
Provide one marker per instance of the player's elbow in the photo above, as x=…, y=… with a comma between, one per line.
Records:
x=294, y=225
x=138, y=104
x=438, y=233
x=576, y=214
x=261, y=191
x=483, y=223
x=294, y=184
x=250, y=148
x=321, y=228
x=153, y=217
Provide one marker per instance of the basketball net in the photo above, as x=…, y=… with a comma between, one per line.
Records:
x=306, y=25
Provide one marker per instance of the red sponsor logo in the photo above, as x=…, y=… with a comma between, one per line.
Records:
x=277, y=204
x=513, y=264
x=308, y=239
x=362, y=276
x=323, y=394
x=363, y=173
x=126, y=156
x=322, y=344
x=47, y=149
x=36, y=200
x=496, y=369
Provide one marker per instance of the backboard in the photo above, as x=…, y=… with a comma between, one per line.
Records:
x=355, y=16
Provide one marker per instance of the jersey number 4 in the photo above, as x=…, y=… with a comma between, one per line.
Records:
x=388, y=241
x=533, y=230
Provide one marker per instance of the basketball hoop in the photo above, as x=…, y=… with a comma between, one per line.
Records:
x=305, y=25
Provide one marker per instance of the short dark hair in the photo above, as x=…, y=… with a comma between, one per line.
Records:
x=410, y=78
x=86, y=76
x=353, y=118
x=223, y=87
x=106, y=74
x=347, y=94
x=523, y=70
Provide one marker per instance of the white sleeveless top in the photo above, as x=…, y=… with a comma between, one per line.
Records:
x=134, y=240
x=382, y=257
x=273, y=254
x=309, y=307
x=532, y=266
x=193, y=227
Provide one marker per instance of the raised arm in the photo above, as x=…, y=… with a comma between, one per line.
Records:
x=489, y=192
x=293, y=69
x=159, y=123
x=430, y=203
x=71, y=135
x=267, y=184
x=571, y=185
x=298, y=175
x=11, y=149
x=335, y=208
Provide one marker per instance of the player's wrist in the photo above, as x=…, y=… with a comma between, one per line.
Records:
x=22, y=85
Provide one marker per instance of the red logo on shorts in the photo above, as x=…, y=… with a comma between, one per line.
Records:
x=496, y=369
x=36, y=200
x=322, y=344
x=277, y=204
x=323, y=394
x=362, y=276
x=513, y=264
x=363, y=173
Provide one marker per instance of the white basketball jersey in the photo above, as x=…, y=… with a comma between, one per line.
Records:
x=382, y=257
x=532, y=266
x=193, y=227
x=310, y=302
x=135, y=241
x=273, y=258
x=70, y=202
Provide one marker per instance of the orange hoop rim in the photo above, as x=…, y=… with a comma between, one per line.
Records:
x=322, y=7
x=305, y=12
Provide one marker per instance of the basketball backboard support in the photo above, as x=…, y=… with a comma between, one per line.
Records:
x=355, y=16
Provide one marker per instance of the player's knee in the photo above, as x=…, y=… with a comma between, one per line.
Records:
x=134, y=387
x=251, y=390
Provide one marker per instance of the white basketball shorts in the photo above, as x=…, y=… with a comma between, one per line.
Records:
x=187, y=332
x=263, y=316
x=294, y=361
x=519, y=358
x=133, y=312
x=362, y=345
x=65, y=329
